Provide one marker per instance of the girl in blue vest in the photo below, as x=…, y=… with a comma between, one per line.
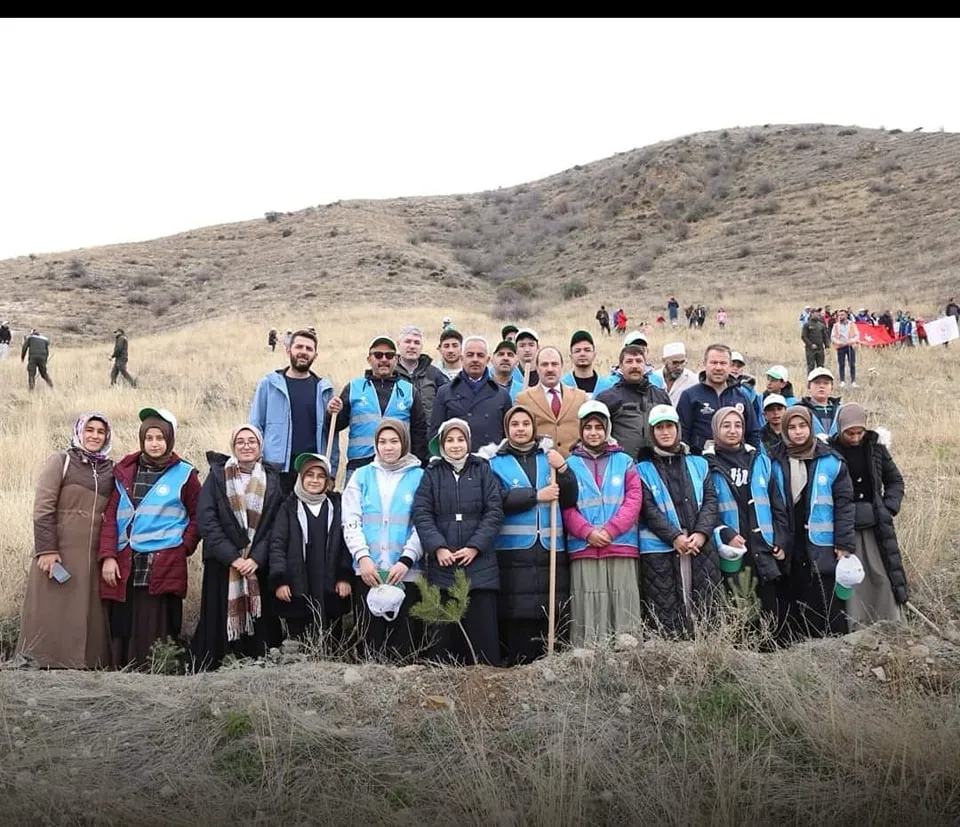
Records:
x=382, y=540
x=149, y=531
x=752, y=514
x=820, y=504
x=679, y=563
x=523, y=462
x=602, y=539
x=457, y=512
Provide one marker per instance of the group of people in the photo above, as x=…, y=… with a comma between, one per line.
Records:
x=35, y=351
x=642, y=496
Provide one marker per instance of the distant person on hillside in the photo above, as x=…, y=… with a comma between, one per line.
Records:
x=953, y=309
x=5, y=337
x=845, y=337
x=289, y=408
x=287, y=340
x=673, y=310
x=603, y=319
x=119, y=357
x=816, y=339
x=721, y=318
x=451, y=352
x=447, y=323
x=621, y=322
x=272, y=339
x=37, y=347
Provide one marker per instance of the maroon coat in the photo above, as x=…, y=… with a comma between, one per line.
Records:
x=168, y=574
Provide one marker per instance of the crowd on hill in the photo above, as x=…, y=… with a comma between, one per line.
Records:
x=563, y=504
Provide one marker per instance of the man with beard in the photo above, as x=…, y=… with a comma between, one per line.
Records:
x=631, y=400
x=504, y=362
x=365, y=401
x=677, y=377
x=288, y=408
x=450, y=347
x=583, y=354
x=553, y=406
x=418, y=368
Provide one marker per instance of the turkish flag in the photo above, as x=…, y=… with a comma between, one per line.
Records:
x=874, y=335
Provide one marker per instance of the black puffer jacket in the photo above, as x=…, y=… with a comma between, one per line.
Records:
x=457, y=513
x=660, y=573
x=287, y=566
x=525, y=573
x=888, y=488
x=629, y=404
x=223, y=537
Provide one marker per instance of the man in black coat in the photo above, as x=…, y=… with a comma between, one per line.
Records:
x=631, y=400
x=473, y=396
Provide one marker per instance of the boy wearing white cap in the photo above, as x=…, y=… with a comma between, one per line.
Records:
x=822, y=405
x=677, y=377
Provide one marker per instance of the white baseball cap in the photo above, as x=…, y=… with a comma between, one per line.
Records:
x=663, y=413
x=385, y=601
x=635, y=337
x=774, y=399
x=778, y=372
x=816, y=373
x=737, y=356
x=527, y=333
x=593, y=408
x=674, y=349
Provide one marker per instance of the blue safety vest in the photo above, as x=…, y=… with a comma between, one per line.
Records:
x=521, y=530
x=387, y=534
x=761, y=471
x=598, y=505
x=160, y=519
x=818, y=428
x=698, y=470
x=365, y=413
x=823, y=473
x=603, y=383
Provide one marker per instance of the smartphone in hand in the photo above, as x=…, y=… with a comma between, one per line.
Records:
x=60, y=574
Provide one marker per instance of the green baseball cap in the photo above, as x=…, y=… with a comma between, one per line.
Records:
x=663, y=413
x=382, y=340
x=159, y=413
x=506, y=344
x=303, y=459
x=580, y=336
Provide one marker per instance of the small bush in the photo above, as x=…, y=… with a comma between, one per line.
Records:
x=72, y=327
x=681, y=230
x=273, y=217
x=843, y=133
x=801, y=145
x=512, y=307
x=744, y=251
x=761, y=187
x=137, y=299
x=574, y=290
x=768, y=206
x=887, y=165
x=76, y=268
x=882, y=188
x=260, y=285
x=522, y=287
x=286, y=232
x=146, y=280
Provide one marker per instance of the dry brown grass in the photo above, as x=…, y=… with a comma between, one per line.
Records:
x=683, y=734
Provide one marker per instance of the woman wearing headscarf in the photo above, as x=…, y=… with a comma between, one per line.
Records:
x=383, y=543
x=877, y=495
x=238, y=502
x=523, y=462
x=149, y=531
x=679, y=562
x=457, y=513
x=64, y=624
x=602, y=539
x=820, y=505
x=310, y=574
x=752, y=512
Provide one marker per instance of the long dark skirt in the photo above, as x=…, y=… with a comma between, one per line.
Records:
x=401, y=640
x=320, y=622
x=210, y=645
x=481, y=626
x=141, y=621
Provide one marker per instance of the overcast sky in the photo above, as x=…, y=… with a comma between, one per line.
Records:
x=126, y=130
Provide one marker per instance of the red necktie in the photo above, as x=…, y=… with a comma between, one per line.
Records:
x=555, y=402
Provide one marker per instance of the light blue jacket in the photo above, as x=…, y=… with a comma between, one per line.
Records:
x=270, y=412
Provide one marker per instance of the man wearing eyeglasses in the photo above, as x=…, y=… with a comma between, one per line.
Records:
x=365, y=401
x=677, y=377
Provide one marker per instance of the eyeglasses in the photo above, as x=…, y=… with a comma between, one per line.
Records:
x=246, y=443
x=383, y=354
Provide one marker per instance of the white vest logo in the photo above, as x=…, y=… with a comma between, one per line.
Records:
x=822, y=479
x=163, y=490
x=617, y=480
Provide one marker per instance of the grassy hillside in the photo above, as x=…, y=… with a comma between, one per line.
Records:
x=798, y=211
